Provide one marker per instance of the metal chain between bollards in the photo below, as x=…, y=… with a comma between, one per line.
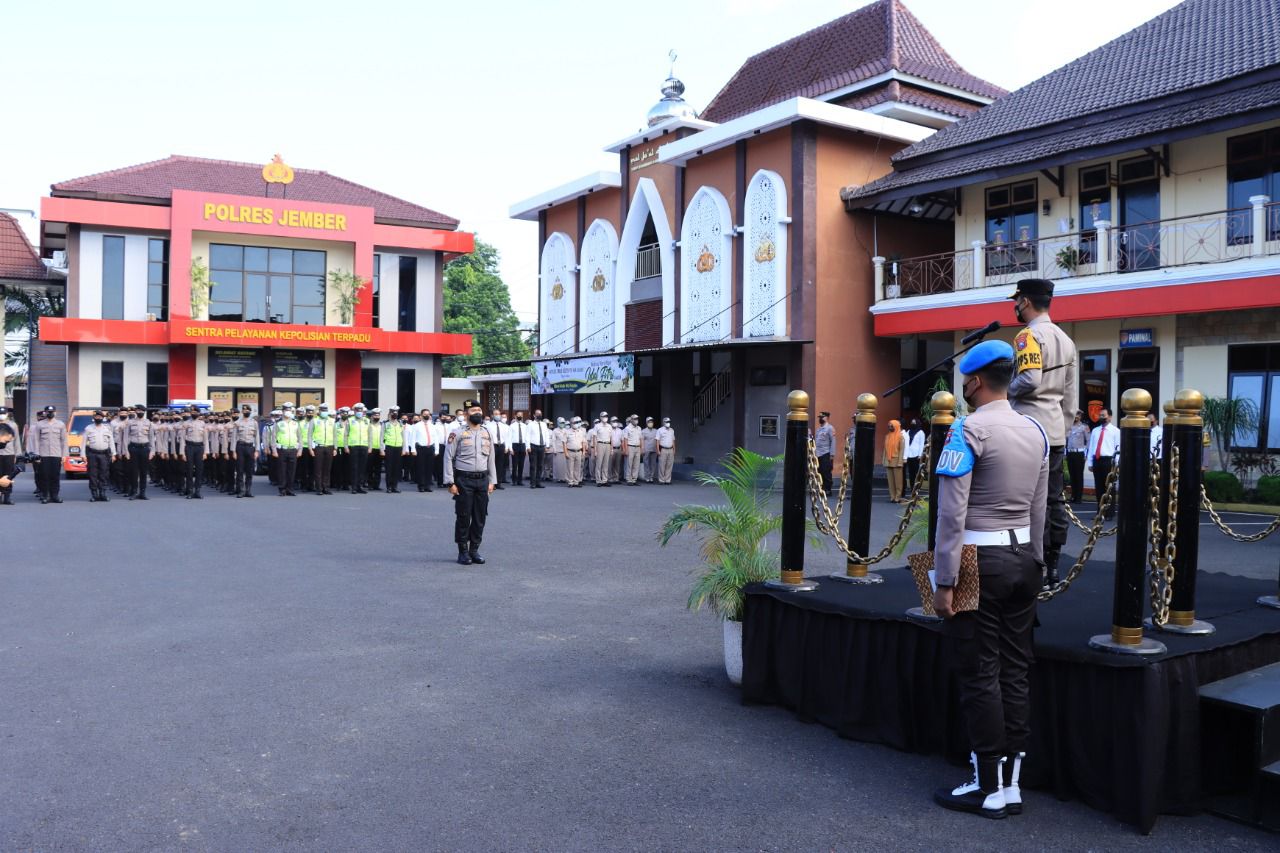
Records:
x=1162, y=567
x=1094, y=533
x=1080, y=525
x=829, y=523
x=1207, y=505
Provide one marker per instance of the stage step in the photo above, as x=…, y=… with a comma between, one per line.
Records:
x=1240, y=737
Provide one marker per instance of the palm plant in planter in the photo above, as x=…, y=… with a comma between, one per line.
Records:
x=733, y=534
x=346, y=288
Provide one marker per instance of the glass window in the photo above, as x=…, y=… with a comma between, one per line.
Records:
x=1095, y=204
x=408, y=294
x=369, y=386
x=1253, y=168
x=112, y=279
x=157, y=384
x=1011, y=226
x=252, y=284
x=377, y=288
x=1249, y=386
x=158, y=278
x=406, y=389
x=112, y=383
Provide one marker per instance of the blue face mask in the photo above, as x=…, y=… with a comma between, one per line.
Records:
x=324, y=415
x=359, y=414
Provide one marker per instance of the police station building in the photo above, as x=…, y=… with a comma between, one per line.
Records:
x=247, y=284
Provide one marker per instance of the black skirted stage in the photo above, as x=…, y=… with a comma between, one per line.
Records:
x=1119, y=732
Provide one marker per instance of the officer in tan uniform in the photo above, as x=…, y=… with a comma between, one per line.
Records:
x=575, y=447
x=602, y=449
x=10, y=455
x=993, y=473
x=471, y=473
x=245, y=436
x=138, y=435
x=666, y=438
x=50, y=444
x=99, y=444
x=1045, y=389
x=632, y=442
x=194, y=452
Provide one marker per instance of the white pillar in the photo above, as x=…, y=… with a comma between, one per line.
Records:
x=979, y=266
x=879, y=264
x=1259, y=203
x=1104, y=263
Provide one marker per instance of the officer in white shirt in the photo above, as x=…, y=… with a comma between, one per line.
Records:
x=537, y=437
x=1104, y=444
x=500, y=433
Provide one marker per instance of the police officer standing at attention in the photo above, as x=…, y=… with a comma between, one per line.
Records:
x=287, y=437
x=392, y=446
x=138, y=434
x=10, y=453
x=50, y=444
x=246, y=439
x=99, y=443
x=1045, y=389
x=471, y=474
x=992, y=477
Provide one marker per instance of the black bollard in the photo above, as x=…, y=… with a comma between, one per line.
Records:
x=1187, y=428
x=864, y=455
x=944, y=415
x=1133, y=517
x=795, y=476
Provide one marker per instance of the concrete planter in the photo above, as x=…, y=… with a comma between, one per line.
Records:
x=733, y=651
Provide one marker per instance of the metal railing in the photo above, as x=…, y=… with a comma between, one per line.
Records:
x=711, y=395
x=649, y=261
x=1204, y=238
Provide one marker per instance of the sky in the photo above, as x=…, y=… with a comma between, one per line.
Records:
x=465, y=108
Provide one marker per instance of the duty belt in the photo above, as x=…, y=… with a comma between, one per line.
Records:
x=1016, y=536
x=470, y=474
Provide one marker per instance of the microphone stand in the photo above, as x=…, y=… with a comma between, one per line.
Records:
x=949, y=359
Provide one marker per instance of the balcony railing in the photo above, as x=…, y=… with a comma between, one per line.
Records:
x=1206, y=238
x=648, y=261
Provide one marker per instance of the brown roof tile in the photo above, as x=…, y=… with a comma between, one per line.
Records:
x=17, y=259
x=881, y=37
x=159, y=178
x=905, y=93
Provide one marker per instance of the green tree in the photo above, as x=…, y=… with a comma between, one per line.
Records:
x=477, y=302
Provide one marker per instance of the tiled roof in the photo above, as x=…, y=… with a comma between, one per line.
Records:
x=159, y=178
x=1195, y=44
x=1157, y=122
x=17, y=259
x=905, y=93
x=872, y=40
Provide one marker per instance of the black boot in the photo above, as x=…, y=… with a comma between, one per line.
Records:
x=1050, y=570
x=1010, y=772
x=476, y=558
x=464, y=559
x=983, y=795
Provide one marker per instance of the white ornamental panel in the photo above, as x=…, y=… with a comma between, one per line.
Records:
x=706, y=282
x=558, y=287
x=764, y=258
x=598, y=321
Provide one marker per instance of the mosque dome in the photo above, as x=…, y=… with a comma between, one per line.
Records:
x=672, y=105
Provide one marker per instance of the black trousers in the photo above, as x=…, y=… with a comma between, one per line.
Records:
x=537, y=455
x=1075, y=467
x=7, y=464
x=138, y=464
x=306, y=469
x=517, y=464
x=501, y=462
x=438, y=467
x=1101, y=471
x=288, y=468
x=195, y=466
x=324, y=467
x=993, y=651
x=50, y=476
x=374, y=468
x=1055, y=518
x=393, y=466
x=912, y=471
x=99, y=462
x=426, y=464
x=359, y=464
x=824, y=469
x=471, y=508
x=245, y=463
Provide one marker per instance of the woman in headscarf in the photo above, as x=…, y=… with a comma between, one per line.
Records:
x=894, y=458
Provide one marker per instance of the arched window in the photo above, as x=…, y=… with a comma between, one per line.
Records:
x=706, y=280
x=599, y=318
x=764, y=257
x=558, y=284
x=646, y=221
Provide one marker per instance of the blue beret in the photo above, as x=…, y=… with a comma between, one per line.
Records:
x=983, y=354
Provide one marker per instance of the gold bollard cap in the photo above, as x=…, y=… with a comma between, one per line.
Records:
x=1189, y=400
x=798, y=404
x=1135, y=403
x=867, y=408
x=944, y=407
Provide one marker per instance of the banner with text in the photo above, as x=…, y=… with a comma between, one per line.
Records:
x=602, y=374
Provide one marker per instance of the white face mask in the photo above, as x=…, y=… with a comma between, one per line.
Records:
x=289, y=415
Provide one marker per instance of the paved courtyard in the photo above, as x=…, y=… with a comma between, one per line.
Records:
x=317, y=673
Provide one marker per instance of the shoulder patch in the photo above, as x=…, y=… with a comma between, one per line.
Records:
x=1027, y=351
x=956, y=458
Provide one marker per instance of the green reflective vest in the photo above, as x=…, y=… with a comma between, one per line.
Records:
x=287, y=435
x=393, y=434
x=358, y=433
x=322, y=433
x=340, y=440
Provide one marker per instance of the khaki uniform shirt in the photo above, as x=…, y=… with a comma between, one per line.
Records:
x=603, y=432
x=12, y=447
x=99, y=437
x=575, y=439
x=666, y=437
x=118, y=426
x=138, y=431
x=245, y=430
x=632, y=435
x=195, y=431
x=50, y=438
x=470, y=450
x=1005, y=490
x=1044, y=385
x=649, y=437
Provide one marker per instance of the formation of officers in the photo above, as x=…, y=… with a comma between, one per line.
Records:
x=314, y=449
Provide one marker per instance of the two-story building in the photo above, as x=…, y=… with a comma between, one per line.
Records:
x=1144, y=179
x=246, y=284
x=717, y=269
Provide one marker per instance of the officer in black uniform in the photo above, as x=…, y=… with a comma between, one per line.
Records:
x=471, y=474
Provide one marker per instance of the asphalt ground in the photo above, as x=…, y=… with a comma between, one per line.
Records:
x=318, y=674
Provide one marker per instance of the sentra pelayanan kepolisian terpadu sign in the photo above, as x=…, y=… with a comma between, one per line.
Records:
x=600, y=374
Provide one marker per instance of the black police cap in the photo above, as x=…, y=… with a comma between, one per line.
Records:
x=1033, y=287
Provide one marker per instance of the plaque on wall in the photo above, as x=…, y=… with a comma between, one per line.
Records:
x=235, y=362
x=769, y=426
x=298, y=364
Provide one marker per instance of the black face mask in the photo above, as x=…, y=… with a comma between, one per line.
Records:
x=476, y=419
x=97, y=420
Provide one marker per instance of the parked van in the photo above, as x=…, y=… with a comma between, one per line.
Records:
x=76, y=464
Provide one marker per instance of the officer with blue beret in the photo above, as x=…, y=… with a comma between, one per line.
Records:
x=993, y=476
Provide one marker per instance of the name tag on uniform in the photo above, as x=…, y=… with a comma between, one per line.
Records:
x=956, y=458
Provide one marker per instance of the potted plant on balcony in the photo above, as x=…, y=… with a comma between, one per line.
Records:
x=734, y=551
x=200, y=287
x=1068, y=258
x=346, y=289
